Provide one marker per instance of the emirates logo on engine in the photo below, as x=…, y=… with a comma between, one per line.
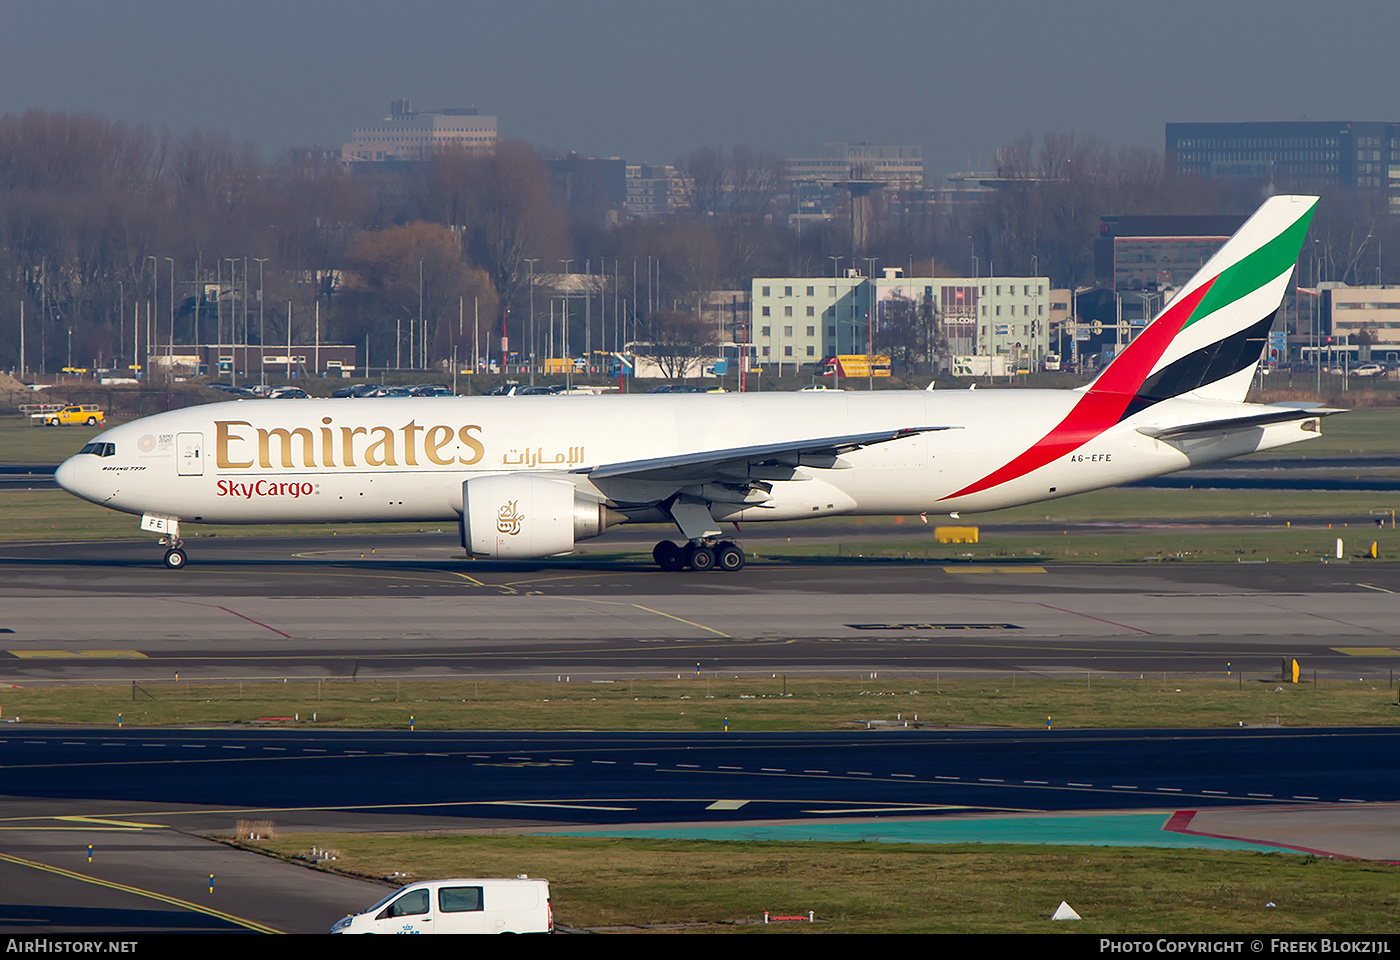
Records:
x=508, y=518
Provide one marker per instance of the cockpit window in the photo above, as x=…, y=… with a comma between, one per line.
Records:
x=100, y=449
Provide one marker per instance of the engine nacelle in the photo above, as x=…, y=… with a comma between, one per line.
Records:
x=522, y=517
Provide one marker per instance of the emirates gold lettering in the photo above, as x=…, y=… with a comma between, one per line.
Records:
x=284, y=438
x=347, y=445
x=327, y=446
x=382, y=446
x=224, y=435
x=434, y=440
x=384, y=457
x=478, y=450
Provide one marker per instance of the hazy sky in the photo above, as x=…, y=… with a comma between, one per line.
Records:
x=651, y=80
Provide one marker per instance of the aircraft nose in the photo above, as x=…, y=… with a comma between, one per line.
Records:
x=67, y=475
x=76, y=475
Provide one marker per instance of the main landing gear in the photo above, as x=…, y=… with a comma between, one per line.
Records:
x=698, y=555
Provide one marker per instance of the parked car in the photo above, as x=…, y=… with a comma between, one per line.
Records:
x=431, y=390
x=1368, y=370
x=231, y=390
x=520, y=905
x=289, y=393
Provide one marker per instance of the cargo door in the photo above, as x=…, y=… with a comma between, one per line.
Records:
x=189, y=452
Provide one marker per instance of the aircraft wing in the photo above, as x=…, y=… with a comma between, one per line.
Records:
x=1210, y=428
x=703, y=465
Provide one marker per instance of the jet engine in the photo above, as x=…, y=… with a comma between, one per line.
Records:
x=520, y=517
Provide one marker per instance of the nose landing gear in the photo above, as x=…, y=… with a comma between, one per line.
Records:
x=169, y=527
x=699, y=555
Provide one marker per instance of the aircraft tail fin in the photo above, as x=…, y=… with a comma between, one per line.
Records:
x=1208, y=340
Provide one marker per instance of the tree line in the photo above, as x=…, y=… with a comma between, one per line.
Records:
x=108, y=229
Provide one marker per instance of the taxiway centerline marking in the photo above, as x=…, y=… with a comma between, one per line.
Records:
x=150, y=894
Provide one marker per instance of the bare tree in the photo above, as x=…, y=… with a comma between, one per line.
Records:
x=675, y=340
x=705, y=177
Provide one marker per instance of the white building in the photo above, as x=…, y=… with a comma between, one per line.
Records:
x=1365, y=321
x=407, y=134
x=802, y=320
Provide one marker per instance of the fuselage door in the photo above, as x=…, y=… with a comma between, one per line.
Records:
x=189, y=448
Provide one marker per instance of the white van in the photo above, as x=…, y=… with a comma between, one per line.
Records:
x=458, y=906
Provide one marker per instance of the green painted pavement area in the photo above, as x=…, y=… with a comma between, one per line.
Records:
x=1125, y=830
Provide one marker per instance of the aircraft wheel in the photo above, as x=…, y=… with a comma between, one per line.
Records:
x=702, y=559
x=175, y=559
x=668, y=556
x=729, y=557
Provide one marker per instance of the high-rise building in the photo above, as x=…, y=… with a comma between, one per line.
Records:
x=1299, y=155
x=406, y=134
x=654, y=190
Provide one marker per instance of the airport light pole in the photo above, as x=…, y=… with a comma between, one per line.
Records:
x=262, y=368
x=870, y=324
x=171, y=261
x=151, y=306
x=245, y=318
x=232, y=317
x=835, y=274
x=533, y=361
x=564, y=328
x=1317, y=317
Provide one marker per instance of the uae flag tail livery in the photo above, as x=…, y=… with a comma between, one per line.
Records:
x=1203, y=346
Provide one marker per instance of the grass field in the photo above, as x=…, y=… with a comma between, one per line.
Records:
x=55, y=515
x=1321, y=518
x=36, y=515
x=895, y=888
x=706, y=703
x=23, y=442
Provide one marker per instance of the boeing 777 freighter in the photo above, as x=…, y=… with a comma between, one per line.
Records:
x=529, y=477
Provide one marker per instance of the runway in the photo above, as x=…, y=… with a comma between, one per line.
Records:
x=410, y=606
x=139, y=796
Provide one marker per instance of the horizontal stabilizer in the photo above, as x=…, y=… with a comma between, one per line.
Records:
x=1216, y=427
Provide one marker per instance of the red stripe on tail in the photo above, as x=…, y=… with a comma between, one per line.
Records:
x=1103, y=404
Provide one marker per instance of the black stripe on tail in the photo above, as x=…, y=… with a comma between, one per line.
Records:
x=1237, y=352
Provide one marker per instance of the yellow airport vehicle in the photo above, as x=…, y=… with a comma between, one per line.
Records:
x=88, y=413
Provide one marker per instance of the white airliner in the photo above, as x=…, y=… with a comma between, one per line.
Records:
x=528, y=477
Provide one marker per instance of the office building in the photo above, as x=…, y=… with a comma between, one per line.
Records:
x=408, y=135
x=1302, y=156
x=804, y=320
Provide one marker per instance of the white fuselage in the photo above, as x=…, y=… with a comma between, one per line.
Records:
x=316, y=461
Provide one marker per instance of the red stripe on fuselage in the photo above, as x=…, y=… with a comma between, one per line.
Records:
x=1103, y=404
